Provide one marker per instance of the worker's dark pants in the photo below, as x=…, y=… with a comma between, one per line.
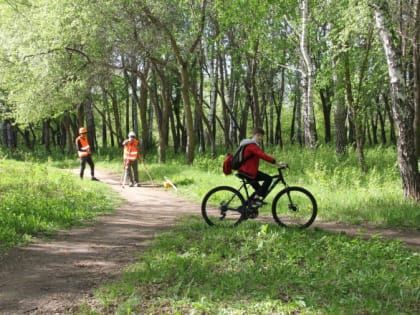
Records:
x=88, y=160
x=132, y=168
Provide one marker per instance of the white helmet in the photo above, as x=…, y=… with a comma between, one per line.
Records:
x=131, y=134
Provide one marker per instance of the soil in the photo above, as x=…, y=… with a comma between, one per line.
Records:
x=55, y=275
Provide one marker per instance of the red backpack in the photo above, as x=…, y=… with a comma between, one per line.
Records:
x=227, y=164
x=234, y=161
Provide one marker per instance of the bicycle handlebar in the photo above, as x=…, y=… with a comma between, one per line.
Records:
x=283, y=166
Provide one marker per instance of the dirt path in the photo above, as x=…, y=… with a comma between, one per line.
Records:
x=54, y=276
x=51, y=277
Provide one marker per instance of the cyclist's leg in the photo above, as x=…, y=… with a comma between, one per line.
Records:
x=256, y=185
x=262, y=190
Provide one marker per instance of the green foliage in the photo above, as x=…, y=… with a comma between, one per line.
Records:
x=265, y=269
x=38, y=199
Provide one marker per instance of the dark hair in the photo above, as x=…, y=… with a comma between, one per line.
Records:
x=258, y=130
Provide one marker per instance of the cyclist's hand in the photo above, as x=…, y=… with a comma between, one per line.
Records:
x=282, y=165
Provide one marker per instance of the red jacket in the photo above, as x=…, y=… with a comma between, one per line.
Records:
x=252, y=156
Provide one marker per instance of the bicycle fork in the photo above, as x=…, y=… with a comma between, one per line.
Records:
x=292, y=206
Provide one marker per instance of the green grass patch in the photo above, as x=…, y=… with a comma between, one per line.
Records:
x=265, y=269
x=37, y=199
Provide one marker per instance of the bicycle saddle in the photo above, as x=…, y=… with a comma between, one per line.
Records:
x=243, y=176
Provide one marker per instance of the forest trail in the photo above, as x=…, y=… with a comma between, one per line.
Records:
x=53, y=276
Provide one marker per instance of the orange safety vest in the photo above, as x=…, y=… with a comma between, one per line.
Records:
x=84, y=146
x=131, y=150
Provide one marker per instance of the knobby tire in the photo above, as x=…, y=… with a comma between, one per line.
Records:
x=300, y=212
x=223, y=206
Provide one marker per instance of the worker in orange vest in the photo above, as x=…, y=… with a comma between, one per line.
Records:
x=131, y=157
x=85, y=154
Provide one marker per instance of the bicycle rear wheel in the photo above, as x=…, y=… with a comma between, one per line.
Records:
x=223, y=206
x=294, y=207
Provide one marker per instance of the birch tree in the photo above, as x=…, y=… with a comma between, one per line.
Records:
x=403, y=103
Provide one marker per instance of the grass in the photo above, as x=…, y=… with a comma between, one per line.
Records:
x=265, y=269
x=37, y=199
x=253, y=269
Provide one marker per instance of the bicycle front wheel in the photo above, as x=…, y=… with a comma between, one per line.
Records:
x=223, y=206
x=294, y=207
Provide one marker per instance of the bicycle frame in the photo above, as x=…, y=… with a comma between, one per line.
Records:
x=276, y=180
x=291, y=206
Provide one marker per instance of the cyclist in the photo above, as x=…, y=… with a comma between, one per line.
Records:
x=251, y=158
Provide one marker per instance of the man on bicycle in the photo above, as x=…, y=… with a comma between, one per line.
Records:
x=251, y=158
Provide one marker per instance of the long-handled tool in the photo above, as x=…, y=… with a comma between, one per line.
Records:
x=147, y=172
x=125, y=173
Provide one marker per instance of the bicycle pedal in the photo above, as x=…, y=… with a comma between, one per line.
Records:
x=253, y=214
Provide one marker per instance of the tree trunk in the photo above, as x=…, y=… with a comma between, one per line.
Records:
x=80, y=118
x=9, y=135
x=178, y=128
x=357, y=117
x=104, y=119
x=46, y=137
x=68, y=131
x=214, y=82
x=162, y=114
x=388, y=112
x=402, y=111
x=307, y=81
x=340, y=117
x=146, y=141
x=296, y=126
x=253, y=89
x=117, y=117
x=134, y=104
x=326, y=95
x=90, y=123
x=127, y=82
x=416, y=69
x=381, y=117
x=278, y=137
x=189, y=122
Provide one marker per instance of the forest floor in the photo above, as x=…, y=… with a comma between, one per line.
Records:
x=55, y=275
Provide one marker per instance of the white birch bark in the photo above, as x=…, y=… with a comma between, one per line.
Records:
x=307, y=80
x=403, y=113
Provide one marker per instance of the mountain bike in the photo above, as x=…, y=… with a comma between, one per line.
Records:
x=293, y=206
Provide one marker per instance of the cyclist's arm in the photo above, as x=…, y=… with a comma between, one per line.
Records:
x=262, y=155
x=255, y=150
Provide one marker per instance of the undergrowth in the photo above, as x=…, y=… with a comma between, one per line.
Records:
x=264, y=269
